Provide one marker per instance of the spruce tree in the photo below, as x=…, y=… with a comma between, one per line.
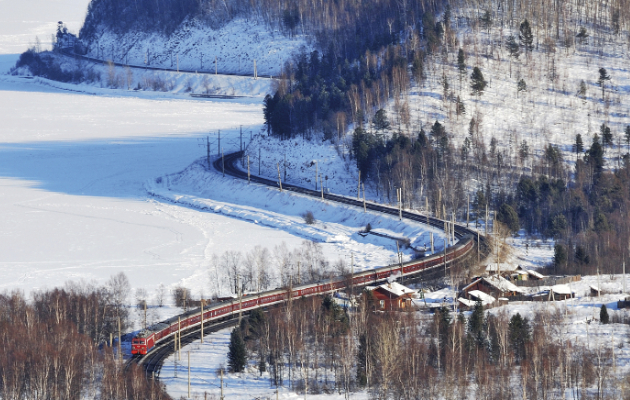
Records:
x=525, y=36
x=476, y=324
x=603, y=77
x=579, y=144
x=607, y=136
x=237, y=355
x=519, y=334
x=478, y=84
x=603, y=315
x=512, y=46
x=522, y=86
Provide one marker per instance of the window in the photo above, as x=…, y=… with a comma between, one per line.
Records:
x=382, y=303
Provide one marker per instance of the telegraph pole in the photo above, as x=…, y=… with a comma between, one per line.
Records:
x=359, y=187
x=219, y=145
x=221, y=398
x=241, y=137
x=255, y=77
x=119, y=344
x=248, y=169
x=223, y=162
x=259, y=158
x=145, y=315
x=201, y=323
x=285, y=167
x=216, y=72
x=279, y=180
x=364, y=205
x=179, y=338
x=316, y=175
x=467, y=210
x=208, y=150
x=189, y=374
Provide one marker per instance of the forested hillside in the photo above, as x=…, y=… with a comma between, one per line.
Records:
x=515, y=107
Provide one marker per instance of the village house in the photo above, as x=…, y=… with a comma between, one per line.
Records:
x=392, y=296
x=496, y=286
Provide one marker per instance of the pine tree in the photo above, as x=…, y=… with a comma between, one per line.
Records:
x=476, y=323
x=525, y=36
x=478, y=84
x=512, y=46
x=578, y=147
x=521, y=86
x=595, y=156
x=607, y=136
x=603, y=78
x=519, y=334
x=603, y=315
x=237, y=355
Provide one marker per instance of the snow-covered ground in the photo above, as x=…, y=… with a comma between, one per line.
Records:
x=194, y=46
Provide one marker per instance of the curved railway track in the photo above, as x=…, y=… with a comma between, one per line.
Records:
x=227, y=164
x=222, y=315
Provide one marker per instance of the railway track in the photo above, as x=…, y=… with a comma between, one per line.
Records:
x=154, y=359
x=70, y=54
x=227, y=164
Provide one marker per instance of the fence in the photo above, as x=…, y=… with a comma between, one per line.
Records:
x=550, y=281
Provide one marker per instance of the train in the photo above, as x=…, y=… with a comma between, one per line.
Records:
x=148, y=338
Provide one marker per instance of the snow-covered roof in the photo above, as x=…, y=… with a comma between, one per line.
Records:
x=535, y=273
x=466, y=302
x=505, y=267
x=397, y=289
x=502, y=284
x=561, y=289
x=481, y=296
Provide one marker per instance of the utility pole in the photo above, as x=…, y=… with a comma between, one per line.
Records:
x=359, y=187
x=316, y=175
x=120, y=357
x=208, y=150
x=364, y=205
x=285, y=167
x=248, y=179
x=432, y=248
x=177, y=62
x=223, y=162
x=189, y=374
x=467, y=210
x=179, y=338
x=241, y=137
x=279, y=181
x=219, y=145
x=145, y=314
x=255, y=71
x=201, y=66
x=400, y=204
x=201, y=323
x=221, y=398
x=486, y=218
x=259, y=158
x=623, y=277
x=321, y=183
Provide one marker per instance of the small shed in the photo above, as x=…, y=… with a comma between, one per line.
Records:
x=484, y=298
x=595, y=291
x=560, y=292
